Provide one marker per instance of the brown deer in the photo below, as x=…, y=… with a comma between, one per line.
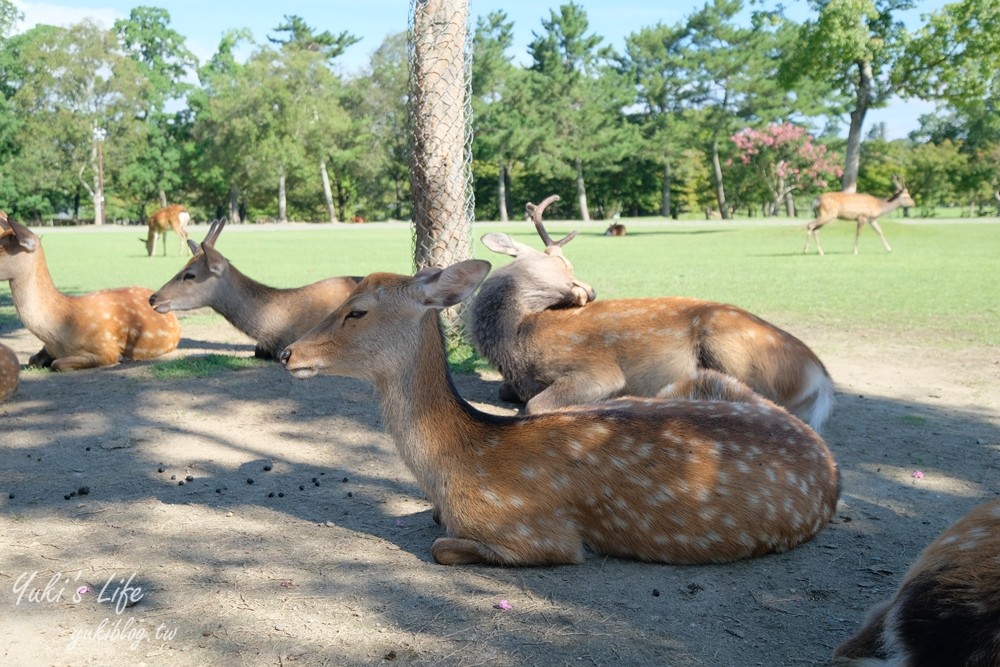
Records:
x=615, y=229
x=947, y=610
x=273, y=317
x=96, y=329
x=670, y=481
x=853, y=206
x=169, y=217
x=551, y=355
x=10, y=372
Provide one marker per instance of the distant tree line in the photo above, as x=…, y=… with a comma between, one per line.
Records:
x=714, y=115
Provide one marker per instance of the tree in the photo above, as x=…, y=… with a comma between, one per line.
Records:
x=785, y=159
x=164, y=61
x=576, y=97
x=853, y=45
x=302, y=36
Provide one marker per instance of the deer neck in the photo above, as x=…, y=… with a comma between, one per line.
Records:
x=41, y=307
x=248, y=305
x=430, y=423
x=495, y=317
x=889, y=205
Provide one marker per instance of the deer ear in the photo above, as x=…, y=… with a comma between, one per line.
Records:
x=505, y=245
x=25, y=238
x=446, y=287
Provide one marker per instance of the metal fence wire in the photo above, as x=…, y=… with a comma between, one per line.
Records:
x=440, y=58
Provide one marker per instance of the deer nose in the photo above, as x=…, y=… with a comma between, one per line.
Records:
x=285, y=355
x=152, y=299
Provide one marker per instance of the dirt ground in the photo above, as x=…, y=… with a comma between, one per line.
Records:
x=325, y=557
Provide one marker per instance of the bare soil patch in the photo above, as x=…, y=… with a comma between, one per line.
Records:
x=325, y=557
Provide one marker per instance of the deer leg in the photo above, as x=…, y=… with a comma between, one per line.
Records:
x=164, y=235
x=80, y=362
x=878, y=229
x=578, y=388
x=857, y=234
x=41, y=359
x=462, y=551
x=809, y=233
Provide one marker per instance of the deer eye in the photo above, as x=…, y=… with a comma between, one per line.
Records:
x=188, y=276
x=356, y=314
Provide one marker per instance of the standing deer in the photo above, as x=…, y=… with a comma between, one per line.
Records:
x=670, y=481
x=273, y=317
x=555, y=346
x=947, y=610
x=10, y=372
x=96, y=329
x=169, y=217
x=853, y=206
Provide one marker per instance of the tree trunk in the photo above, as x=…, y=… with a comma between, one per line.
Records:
x=852, y=159
x=98, y=155
x=581, y=192
x=720, y=188
x=163, y=198
x=234, y=204
x=327, y=193
x=282, y=196
x=665, y=192
x=789, y=202
x=502, y=191
x=439, y=100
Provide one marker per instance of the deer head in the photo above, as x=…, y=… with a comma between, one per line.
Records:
x=15, y=241
x=549, y=273
x=194, y=285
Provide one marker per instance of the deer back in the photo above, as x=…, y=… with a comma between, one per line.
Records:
x=10, y=372
x=947, y=609
x=660, y=480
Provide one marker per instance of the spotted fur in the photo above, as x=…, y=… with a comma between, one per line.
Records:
x=10, y=372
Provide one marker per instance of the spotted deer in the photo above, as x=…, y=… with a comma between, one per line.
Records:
x=670, y=481
x=169, y=217
x=85, y=331
x=10, y=372
x=555, y=345
x=859, y=207
x=273, y=317
x=947, y=609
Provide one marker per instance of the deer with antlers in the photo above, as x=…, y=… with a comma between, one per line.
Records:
x=947, y=610
x=10, y=372
x=86, y=331
x=169, y=217
x=273, y=317
x=539, y=324
x=859, y=207
x=671, y=481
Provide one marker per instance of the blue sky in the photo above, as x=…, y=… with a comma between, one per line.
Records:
x=203, y=22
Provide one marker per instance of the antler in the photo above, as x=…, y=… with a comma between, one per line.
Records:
x=897, y=182
x=536, y=216
x=213, y=232
x=5, y=228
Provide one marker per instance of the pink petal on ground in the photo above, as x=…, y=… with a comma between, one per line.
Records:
x=503, y=604
x=917, y=474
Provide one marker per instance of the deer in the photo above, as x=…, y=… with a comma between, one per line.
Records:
x=86, y=331
x=859, y=207
x=615, y=229
x=659, y=480
x=169, y=217
x=947, y=608
x=10, y=372
x=272, y=317
x=556, y=345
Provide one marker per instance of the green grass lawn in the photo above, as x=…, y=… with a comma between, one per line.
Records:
x=940, y=286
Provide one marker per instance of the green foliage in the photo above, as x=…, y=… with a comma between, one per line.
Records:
x=202, y=366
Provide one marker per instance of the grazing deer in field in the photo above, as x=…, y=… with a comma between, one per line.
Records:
x=556, y=346
x=96, y=329
x=853, y=206
x=947, y=610
x=273, y=317
x=10, y=372
x=616, y=229
x=671, y=481
x=169, y=217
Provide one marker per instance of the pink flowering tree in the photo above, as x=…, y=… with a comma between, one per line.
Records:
x=786, y=159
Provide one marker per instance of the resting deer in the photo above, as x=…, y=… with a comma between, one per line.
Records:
x=616, y=229
x=96, y=329
x=273, y=317
x=853, y=206
x=551, y=355
x=671, y=481
x=10, y=372
x=947, y=610
x=169, y=217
